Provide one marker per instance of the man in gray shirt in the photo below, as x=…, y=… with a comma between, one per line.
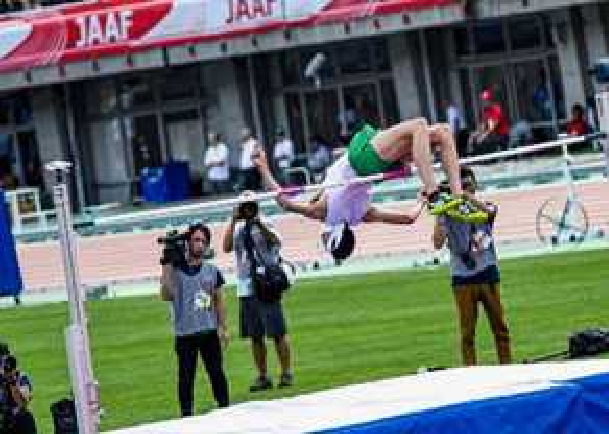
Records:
x=475, y=273
x=194, y=288
x=258, y=318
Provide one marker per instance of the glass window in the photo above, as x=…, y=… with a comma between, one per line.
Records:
x=143, y=136
x=532, y=91
x=525, y=33
x=390, y=103
x=381, y=55
x=295, y=120
x=547, y=30
x=7, y=161
x=178, y=83
x=184, y=134
x=354, y=57
x=361, y=106
x=290, y=67
x=136, y=91
x=110, y=175
x=488, y=37
x=468, y=102
x=101, y=96
x=31, y=167
x=557, y=87
x=323, y=115
x=22, y=107
x=462, y=41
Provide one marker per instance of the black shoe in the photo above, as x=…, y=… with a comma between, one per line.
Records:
x=286, y=380
x=262, y=383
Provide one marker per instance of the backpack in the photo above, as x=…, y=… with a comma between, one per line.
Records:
x=269, y=280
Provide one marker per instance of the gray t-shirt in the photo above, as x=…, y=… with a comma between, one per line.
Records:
x=193, y=310
x=268, y=254
x=473, y=258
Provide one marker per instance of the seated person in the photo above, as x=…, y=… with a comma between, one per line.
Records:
x=577, y=125
x=493, y=132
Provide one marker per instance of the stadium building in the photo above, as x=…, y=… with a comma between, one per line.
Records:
x=118, y=85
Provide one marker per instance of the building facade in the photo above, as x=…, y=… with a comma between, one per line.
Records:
x=134, y=84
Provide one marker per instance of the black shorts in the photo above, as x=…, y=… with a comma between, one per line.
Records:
x=257, y=319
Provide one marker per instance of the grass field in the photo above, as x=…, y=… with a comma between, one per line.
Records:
x=344, y=330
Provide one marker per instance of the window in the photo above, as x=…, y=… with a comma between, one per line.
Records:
x=381, y=55
x=290, y=67
x=390, y=102
x=525, y=33
x=354, y=57
x=295, y=120
x=101, y=96
x=136, y=91
x=323, y=114
x=532, y=91
x=178, y=83
x=488, y=37
x=462, y=41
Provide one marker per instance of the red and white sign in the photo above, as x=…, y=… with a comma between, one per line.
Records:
x=87, y=31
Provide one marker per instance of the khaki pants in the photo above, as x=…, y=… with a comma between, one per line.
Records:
x=467, y=298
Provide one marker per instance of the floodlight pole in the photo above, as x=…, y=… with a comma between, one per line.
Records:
x=85, y=388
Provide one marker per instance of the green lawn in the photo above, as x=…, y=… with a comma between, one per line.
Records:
x=344, y=330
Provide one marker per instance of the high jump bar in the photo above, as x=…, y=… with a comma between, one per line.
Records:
x=231, y=202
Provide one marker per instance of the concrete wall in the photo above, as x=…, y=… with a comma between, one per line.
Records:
x=569, y=52
x=403, y=53
x=47, y=123
x=225, y=111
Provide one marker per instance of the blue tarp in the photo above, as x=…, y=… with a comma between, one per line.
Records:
x=10, y=275
x=570, y=407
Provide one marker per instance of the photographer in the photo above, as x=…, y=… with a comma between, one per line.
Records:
x=475, y=273
x=257, y=318
x=15, y=394
x=194, y=288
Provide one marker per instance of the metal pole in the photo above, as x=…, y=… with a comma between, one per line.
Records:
x=85, y=388
x=602, y=106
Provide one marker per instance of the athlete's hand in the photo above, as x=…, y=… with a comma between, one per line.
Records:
x=259, y=159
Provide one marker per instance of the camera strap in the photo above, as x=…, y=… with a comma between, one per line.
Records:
x=250, y=246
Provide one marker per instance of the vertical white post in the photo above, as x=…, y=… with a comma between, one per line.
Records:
x=85, y=388
x=602, y=105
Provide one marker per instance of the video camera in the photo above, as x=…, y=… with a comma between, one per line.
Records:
x=174, y=248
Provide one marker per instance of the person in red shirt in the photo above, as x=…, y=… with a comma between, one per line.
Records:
x=577, y=126
x=494, y=130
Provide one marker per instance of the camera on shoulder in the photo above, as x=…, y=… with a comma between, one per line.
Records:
x=174, y=248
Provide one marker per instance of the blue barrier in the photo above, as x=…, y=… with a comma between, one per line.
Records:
x=10, y=275
x=168, y=183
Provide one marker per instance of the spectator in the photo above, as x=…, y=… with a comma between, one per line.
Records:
x=216, y=164
x=475, y=273
x=453, y=117
x=521, y=134
x=194, y=288
x=283, y=154
x=258, y=318
x=15, y=395
x=494, y=130
x=319, y=158
x=577, y=125
x=250, y=179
